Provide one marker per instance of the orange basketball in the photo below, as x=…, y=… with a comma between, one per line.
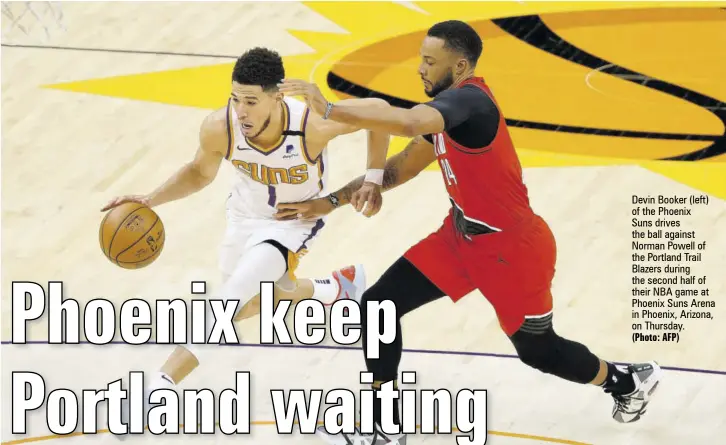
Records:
x=132, y=235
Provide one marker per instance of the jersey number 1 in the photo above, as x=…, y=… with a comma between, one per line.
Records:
x=448, y=172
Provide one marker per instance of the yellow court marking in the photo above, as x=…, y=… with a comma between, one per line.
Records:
x=272, y=423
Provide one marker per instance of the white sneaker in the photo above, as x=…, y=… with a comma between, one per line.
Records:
x=358, y=438
x=351, y=283
x=631, y=407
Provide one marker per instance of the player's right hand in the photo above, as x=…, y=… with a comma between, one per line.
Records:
x=115, y=202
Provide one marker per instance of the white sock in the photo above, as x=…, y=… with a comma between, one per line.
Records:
x=160, y=380
x=325, y=289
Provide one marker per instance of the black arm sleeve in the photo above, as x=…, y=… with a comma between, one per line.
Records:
x=470, y=116
x=456, y=106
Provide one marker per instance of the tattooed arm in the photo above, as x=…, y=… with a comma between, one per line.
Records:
x=399, y=169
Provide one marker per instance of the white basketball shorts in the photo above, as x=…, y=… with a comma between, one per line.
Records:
x=242, y=234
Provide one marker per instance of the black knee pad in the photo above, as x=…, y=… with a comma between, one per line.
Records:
x=540, y=350
x=549, y=353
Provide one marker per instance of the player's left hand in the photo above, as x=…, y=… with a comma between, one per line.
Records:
x=368, y=198
x=305, y=211
x=312, y=94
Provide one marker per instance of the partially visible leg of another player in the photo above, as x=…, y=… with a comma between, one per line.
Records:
x=264, y=262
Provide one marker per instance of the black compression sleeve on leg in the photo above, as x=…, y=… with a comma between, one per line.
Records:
x=552, y=354
x=409, y=289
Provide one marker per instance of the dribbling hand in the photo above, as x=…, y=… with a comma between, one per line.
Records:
x=115, y=202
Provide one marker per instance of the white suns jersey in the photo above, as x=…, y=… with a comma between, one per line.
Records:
x=282, y=173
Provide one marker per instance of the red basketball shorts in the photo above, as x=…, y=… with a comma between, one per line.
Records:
x=513, y=269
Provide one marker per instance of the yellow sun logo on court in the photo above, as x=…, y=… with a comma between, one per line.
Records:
x=581, y=83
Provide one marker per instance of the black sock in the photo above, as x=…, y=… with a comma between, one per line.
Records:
x=617, y=381
x=377, y=405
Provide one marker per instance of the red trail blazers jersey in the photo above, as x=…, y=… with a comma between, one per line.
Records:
x=484, y=183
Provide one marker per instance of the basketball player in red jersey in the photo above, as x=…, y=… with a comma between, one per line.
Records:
x=491, y=239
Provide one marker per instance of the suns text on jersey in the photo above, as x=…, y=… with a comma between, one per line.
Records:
x=297, y=174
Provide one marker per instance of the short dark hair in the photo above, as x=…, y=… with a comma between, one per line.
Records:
x=259, y=66
x=459, y=36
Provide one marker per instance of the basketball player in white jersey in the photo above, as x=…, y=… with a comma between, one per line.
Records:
x=278, y=148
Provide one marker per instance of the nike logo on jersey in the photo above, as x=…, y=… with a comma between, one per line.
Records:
x=239, y=147
x=273, y=176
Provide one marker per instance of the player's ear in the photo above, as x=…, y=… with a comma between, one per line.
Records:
x=461, y=66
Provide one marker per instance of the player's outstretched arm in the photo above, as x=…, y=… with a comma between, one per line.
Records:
x=193, y=176
x=419, y=120
x=399, y=169
x=325, y=130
